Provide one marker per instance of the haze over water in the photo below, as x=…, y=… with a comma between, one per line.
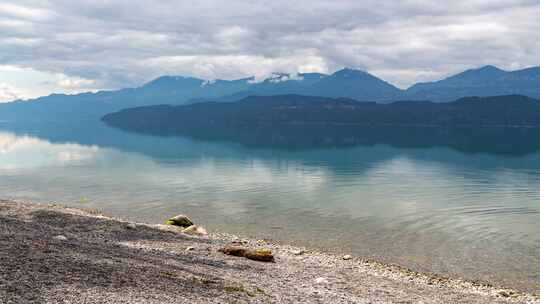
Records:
x=433, y=207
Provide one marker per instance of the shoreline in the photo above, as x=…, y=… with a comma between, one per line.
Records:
x=57, y=254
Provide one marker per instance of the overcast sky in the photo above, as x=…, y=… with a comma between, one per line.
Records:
x=73, y=46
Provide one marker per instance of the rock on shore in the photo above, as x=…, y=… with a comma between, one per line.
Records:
x=53, y=254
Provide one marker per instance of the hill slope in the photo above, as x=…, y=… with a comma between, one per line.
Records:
x=506, y=111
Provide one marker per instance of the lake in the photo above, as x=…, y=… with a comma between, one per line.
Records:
x=461, y=203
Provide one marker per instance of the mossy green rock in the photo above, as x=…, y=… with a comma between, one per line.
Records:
x=179, y=220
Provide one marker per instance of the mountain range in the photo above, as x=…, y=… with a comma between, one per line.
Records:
x=345, y=83
x=485, y=81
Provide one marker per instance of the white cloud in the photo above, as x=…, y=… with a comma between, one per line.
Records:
x=9, y=93
x=125, y=43
x=25, y=12
x=76, y=83
x=20, y=152
x=233, y=66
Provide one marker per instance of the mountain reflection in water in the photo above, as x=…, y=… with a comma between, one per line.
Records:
x=457, y=202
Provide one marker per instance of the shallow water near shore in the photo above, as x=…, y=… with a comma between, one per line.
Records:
x=442, y=203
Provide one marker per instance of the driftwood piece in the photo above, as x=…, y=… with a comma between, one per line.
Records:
x=262, y=255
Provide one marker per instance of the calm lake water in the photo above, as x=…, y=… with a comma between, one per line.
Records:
x=461, y=203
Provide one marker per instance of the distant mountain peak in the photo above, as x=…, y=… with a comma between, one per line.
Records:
x=350, y=73
x=484, y=73
x=485, y=70
x=483, y=81
x=489, y=68
x=172, y=80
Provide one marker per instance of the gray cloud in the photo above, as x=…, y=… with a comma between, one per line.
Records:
x=111, y=44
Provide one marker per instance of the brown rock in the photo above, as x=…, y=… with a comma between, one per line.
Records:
x=262, y=255
x=234, y=250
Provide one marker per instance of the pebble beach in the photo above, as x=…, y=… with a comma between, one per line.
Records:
x=54, y=254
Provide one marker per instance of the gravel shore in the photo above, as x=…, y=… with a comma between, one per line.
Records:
x=54, y=254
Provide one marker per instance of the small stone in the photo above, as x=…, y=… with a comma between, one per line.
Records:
x=179, y=220
x=169, y=228
x=190, y=248
x=321, y=280
x=347, y=257
x=298, y=252
x=504, y=293
x=195, y=230
x=242, y=241
x=61, y=238
x=131, y=226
